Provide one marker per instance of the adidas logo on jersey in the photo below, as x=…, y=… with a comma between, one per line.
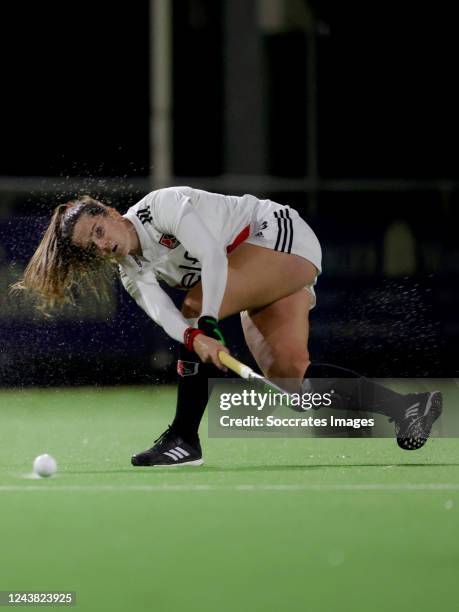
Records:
x=262, y=227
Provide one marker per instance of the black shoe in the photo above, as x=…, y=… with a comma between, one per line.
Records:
x=170, y=449
x=413, y=425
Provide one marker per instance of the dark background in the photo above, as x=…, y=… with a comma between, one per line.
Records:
x=76, y=93
x=76, y=103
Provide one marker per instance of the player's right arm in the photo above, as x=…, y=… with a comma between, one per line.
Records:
x=156, y=303
x=159, y=307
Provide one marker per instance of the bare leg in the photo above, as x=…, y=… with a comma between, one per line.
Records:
x=268, y=288
x=277, y=336
x=256, y=277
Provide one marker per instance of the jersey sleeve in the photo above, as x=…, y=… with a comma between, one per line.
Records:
x=173, y=213
x=167, y=208
x=197, y=239
x=148, y=294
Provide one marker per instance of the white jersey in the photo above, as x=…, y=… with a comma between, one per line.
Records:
x=186, y=234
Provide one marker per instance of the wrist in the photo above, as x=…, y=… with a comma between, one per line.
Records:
x=189, y=336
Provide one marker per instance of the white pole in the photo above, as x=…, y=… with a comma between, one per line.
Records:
x=161, y=160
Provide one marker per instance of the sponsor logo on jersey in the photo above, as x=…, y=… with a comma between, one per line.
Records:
x=169, y=241
x=137, y=260
x=191, y=278
x=144, y=215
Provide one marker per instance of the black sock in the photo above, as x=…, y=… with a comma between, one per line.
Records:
x=192, y=393
x=352, y=391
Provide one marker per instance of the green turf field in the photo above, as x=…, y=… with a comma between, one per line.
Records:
x=267, y=524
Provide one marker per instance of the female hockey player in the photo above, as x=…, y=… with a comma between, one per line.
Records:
x=231, y=255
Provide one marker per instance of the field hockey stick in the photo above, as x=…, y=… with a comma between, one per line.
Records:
x=245, y=372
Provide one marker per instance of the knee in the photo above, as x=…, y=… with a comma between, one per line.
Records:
x=191, y=307
x=288, y=362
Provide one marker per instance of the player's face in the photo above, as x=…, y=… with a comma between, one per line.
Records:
x=113, y=237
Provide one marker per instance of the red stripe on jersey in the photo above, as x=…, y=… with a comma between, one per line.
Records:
x=243, y=235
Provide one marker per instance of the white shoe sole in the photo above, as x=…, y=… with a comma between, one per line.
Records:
x=195, y=463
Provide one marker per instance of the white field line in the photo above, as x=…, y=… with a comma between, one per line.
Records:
x=446, y=486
